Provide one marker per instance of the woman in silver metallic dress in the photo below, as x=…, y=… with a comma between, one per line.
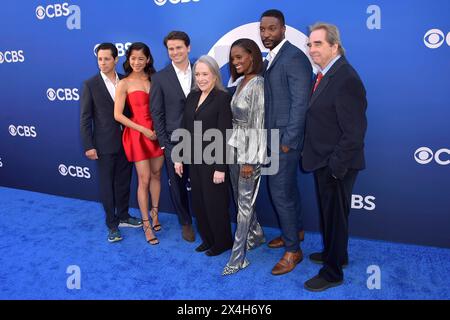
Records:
x=249, y=145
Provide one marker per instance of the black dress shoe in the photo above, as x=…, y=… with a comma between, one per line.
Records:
x=211, y=253
x=317, y=258
x=202, y=247
x=318, y=284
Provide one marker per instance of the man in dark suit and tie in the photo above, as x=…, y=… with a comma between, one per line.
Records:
x=287, y=85
x=170, y=88
x=102, y=141
x=334, y=148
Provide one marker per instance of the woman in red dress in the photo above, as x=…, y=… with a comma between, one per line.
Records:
x=139, y=137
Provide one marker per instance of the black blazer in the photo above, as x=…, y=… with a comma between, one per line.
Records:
x=336, y=122
x=99, y=130
x=167, y=103
x=214, y=113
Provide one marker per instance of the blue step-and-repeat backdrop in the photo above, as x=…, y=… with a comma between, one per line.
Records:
x=400, y=48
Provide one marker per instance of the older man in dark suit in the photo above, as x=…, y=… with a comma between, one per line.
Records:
x=170, y=87
x=287, y=83
x=334, y=148
x=102, y=141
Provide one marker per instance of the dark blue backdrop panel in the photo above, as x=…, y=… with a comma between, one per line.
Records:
x=400, y=49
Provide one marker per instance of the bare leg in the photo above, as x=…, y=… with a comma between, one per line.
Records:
x=156, y=165
x=144, y=173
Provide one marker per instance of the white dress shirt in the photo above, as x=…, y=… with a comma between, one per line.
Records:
x=184, y=77
x=273, y=53
x=110, y=85
x=329, y=65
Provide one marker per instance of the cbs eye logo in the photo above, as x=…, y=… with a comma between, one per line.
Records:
x=63, y=170
x=53, y=11
x=63, y=94
x=12, y=56
x=40, y=12
x=425, y=155
x=12, y=130
x=74, y=171
x=22, y=131
x=435, y=38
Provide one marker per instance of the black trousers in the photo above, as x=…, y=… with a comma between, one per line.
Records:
x=115, y=176
x=178, y=191
x=210, y=203
x=334, y=203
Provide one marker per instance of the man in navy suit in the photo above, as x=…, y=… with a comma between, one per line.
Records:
x=102, y=141
x=287, y=85
x=334, y=148
x=170, y=88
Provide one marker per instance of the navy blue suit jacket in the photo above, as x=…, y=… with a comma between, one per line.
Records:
x=287, y=87
x=167, y=104
x=336, y=122
x=99, y=130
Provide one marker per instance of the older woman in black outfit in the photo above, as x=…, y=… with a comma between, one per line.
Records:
x=209, y=105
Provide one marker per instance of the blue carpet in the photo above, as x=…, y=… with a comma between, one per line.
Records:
x=43, y=234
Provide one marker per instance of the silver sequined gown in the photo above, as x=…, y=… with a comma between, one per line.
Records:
x=249, y=143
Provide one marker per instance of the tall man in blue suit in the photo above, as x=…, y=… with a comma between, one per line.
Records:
x=102, y=141
x=170, y=88
x=287, y=85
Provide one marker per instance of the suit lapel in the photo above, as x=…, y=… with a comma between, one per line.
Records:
x=327, y=79
x=101, y=84
x=322, y=85
x=277, y=57
x=207, y=101
x=265, y=64
x=174, y=79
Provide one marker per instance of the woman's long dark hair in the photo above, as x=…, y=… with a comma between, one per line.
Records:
x=138, y=46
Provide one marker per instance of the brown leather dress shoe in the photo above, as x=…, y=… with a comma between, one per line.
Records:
x=288, y=262
x=279, y=243
x=188, y=233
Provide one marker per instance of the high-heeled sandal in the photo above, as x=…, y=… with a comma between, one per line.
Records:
x=154, y=214
x=152, y=241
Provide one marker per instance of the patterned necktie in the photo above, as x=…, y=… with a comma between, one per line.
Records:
x=318, y=79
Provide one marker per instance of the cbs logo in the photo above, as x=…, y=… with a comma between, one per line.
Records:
x=360, y=202
x=74, y=171
x=52, y=11
x=12, y=56
x=163, y=2
x=121, y=48
x=435, y=38
x=63, y=94
x=425, y=155
x=22, y=131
